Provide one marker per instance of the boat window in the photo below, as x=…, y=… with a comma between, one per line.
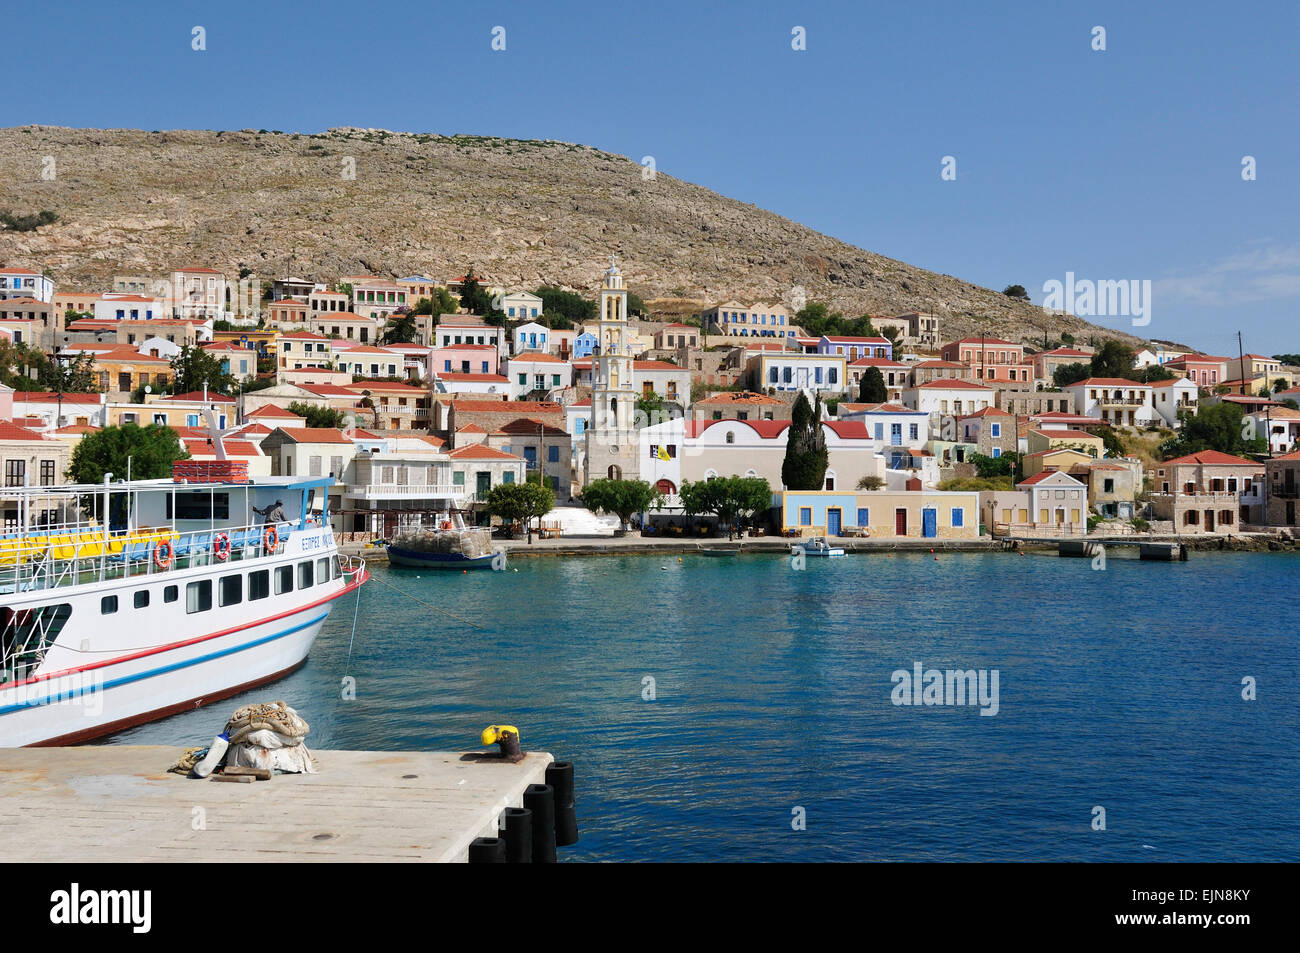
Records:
x=141, y=598
x=200, y=506
x=198, y=596
x=107, y=605
x=171, y=594
x=259, y=584
x=334, y=562
x=283, y=580
x=25, y=634
x=322, y=571
x=232, y=589
x=304, y=574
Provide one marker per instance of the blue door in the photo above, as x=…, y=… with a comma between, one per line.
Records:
x=833, y=518
x=929, y=523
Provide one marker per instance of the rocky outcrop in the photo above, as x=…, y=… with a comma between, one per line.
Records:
x=523, y=213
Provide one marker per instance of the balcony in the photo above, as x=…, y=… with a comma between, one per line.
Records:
x=407, y=491
x=1120, y=401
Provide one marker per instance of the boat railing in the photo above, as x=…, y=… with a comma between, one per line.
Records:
x=52, y=559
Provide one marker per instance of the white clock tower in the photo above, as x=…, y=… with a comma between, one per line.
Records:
x=612, y=439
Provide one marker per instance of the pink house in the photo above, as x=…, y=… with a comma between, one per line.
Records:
x=1203, y=370
x=464, y=359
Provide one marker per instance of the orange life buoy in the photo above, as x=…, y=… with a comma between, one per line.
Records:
x=163, y=555
x=271, y=539
x=446, y=524
x=221, y=546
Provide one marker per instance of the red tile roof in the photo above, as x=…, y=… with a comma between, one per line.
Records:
x=1210, y=458
x=273, y=410
x=197, y=397
x=950, y=383
x=314, y=435
x=511, y=406
x=478, y=451
x=11, y=431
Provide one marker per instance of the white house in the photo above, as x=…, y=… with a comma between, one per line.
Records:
x=1115, y=400
x=949, y=395
x=894, y=430
x=1169, y=397
x=537, y=371
x=124, y=307
x=25, y=283
x=458, y=382
x=792, y=370
x=530, y=336
x=680, y=449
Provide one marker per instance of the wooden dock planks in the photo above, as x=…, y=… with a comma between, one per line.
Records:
x=118, y=803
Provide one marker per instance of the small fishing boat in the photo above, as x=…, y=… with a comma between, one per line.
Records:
x=452, y=545
x=720, y=553
x=816, y=546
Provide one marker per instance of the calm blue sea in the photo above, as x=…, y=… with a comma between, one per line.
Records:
x=1119, y=688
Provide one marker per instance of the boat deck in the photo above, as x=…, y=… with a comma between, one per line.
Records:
x=119, y=803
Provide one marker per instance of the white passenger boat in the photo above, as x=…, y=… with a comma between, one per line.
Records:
x=125, y=602
x=816, y=546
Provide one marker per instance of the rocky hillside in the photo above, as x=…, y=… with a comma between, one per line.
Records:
x=523, y=213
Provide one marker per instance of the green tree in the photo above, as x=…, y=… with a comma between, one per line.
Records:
x=1215, y=427
x=317, y=416
x=989, y=467
x=1113, y=359
x=733, y=500
x=1067, y=339
x=621, y=498
x=871, y=482
x=472, y=296
x=521, y=502
x=872, y=388
x=1066, y=374
x=152, y=451
x=635, y=304
x=572, y=306
x=1112, y=442
x=193, y=368
x=806, y=456
x=400, y=328
x=27, y=223
x=76, y=376
x=1016, y=291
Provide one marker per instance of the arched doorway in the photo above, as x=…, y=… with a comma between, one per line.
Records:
x=615, y=472
x=666, y=487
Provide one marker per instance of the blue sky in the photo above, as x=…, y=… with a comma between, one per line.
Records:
x=1116, y=164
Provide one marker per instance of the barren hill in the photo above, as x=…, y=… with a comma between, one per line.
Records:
x=523, y=213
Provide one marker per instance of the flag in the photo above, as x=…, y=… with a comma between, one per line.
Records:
x=663, y=452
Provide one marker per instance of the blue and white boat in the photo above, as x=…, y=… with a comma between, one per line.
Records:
x=816, y=546
x=124, y=602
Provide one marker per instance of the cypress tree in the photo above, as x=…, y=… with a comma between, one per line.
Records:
x=806, y=456
x=872, y=389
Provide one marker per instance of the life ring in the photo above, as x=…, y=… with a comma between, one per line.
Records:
x=446, y=524
x=221, y=546
x=271, y=539
x=163, y=555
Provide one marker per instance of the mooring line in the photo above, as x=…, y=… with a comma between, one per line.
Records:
x=427, y=605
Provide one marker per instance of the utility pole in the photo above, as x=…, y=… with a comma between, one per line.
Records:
x=1241, y=364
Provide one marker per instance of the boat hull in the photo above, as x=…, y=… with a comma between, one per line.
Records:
x=416, y=559
x=80, y=703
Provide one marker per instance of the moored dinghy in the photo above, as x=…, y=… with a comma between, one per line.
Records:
x=816, y=546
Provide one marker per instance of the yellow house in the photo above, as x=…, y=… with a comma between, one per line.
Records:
x=1061, y=458
x=1090, y=443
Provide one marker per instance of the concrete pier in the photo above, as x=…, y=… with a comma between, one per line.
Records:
x=119, y=803
x=1164, y=552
